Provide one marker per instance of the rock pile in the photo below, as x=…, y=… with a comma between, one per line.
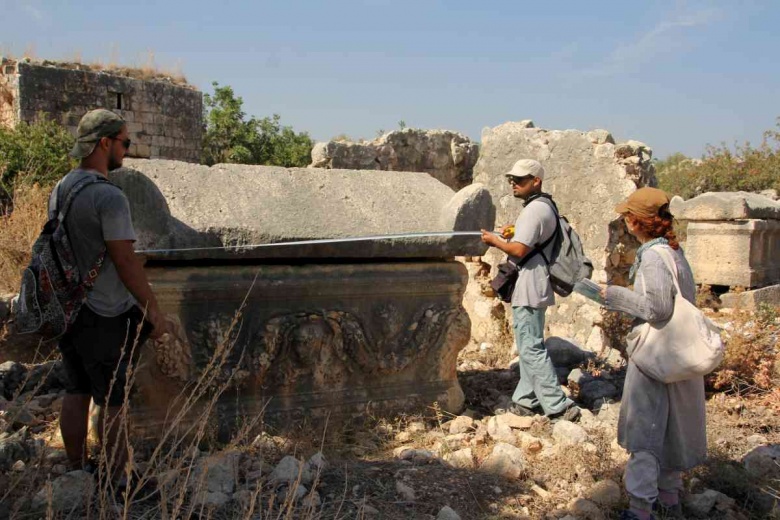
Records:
x=447, y=156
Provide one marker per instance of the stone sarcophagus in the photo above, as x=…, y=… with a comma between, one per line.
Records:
x=335, y=328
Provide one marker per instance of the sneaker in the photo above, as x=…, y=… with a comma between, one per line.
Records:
x=571, y=414
x=522, y=411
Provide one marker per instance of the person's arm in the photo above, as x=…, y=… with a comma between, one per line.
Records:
x=131, y=272
x=515, y=249
x=654, y=304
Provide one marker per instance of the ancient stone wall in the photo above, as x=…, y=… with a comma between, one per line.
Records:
x=734, y=241
x=9, y=94
x=588, y=174
x=164, y=120
x=447, y=156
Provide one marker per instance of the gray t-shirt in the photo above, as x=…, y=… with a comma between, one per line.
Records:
x=535, y=224
x=100, y=212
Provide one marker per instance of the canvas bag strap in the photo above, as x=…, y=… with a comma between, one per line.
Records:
x=541, y=247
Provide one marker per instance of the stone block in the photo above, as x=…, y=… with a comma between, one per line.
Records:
x=587, y=176
x=318, y=339
x=742, y=253
x=178, y=205
x=447, y=156
x=751, y=300
x=718, y=206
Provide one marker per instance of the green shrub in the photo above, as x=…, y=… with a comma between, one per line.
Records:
x=230, y=138
x=745, y=168
x=33, y=153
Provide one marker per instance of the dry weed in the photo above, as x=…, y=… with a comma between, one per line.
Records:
x=18, y=230
x=752, y=352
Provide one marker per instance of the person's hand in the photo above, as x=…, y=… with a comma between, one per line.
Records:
x=490, y=238
x=160, y=323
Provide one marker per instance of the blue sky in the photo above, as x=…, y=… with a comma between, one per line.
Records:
x=677, y=75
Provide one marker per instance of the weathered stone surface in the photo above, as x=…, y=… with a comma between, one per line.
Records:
x=763, y=461
x=322, y=339
x=183, y=206
x=290, y=470
x=742, y=253
x=68, y=492
x=461, y=424
x=505, y=460
x=568, y=433
x=463, y=458
x=404, y=491
x=605, y=493
x=164, y=119
x=566, y=353
x=447, y=156
x=700, y=504
x=751, y=300
x=717, y=206
x=587, y=175
x=500, y=431
x=447, y=513
x=515, y=421
x=585, y=509
x=216, y=474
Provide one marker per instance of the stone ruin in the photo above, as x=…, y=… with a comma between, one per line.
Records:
x=733, y=241
x=336, y=328
x=587, y=173
x=447, y=156
x=164, y=118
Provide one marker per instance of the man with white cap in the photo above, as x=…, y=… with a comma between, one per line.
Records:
x=538, y=390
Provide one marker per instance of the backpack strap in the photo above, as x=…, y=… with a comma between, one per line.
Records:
x=539, y=248
x=71, y=195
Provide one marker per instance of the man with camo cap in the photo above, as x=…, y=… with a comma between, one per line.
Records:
x=120, y=309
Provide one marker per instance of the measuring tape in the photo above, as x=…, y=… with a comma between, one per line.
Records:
x=320, y=241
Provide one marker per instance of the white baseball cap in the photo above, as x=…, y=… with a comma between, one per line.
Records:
x=526, y=167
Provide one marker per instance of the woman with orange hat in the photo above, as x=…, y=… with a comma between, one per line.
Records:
x=661, y=425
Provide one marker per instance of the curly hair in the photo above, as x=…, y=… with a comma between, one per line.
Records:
x=661, y=225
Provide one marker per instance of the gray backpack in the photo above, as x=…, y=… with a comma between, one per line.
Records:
x=567, y=264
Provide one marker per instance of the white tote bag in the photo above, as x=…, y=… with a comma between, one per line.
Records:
x=685, y=346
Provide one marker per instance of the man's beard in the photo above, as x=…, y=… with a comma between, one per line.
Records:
x=113, y=164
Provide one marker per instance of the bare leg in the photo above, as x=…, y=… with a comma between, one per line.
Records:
x=74, y=427
x=114, y=438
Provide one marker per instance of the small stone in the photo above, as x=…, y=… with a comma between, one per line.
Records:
x=461, y=424
x=68, y=492
x=461, y=459
x=763, y=462
x=59, y=469
x=447, y=513
x=515, y=421
x=317, y=463
x=313, y=500
x=585, y=509
x=500, y=431
x=19, y=466
x=369, y=510
x=700, y=504
x=568, y=434
x=403, y=436
x=288, y=470
x=404, y=491
x=505, y=460
x=211, y=498
x=604, y=493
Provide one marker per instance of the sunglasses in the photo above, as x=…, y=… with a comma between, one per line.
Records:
x=518, y=180
x=125, y=142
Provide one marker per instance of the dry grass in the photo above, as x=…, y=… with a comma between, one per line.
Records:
x=18, y=230
x=752, y=354
x=148, y=69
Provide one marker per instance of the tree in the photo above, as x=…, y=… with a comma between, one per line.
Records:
x=745, y=168
x=229, y=137
x=32, y=153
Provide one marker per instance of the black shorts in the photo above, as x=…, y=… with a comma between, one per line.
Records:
x=92, y=353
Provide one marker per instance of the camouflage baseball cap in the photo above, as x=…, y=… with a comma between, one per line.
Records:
x=95, y=125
